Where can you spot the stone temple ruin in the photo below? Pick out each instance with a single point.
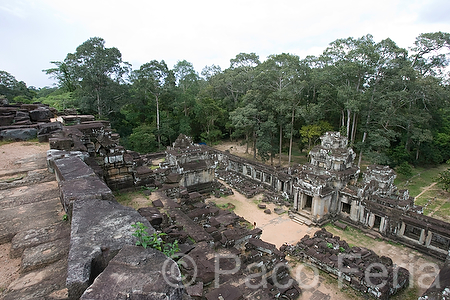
(89, 163)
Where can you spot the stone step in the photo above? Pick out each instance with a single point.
(299, 219)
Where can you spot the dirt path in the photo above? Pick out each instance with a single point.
(426, 189)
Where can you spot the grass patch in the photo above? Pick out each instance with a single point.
(228, 206)
(353, 236)
(407, 294)
(125, 198)
(421, 177)
(14, 178)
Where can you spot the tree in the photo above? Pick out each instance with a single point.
(92, 72)
(153, 79)
(11, 88)
(444, 179)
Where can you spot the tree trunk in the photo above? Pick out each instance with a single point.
(290, 139)
(99, 108)
(360, 152)
(157, 122)
(348, 123)
(247, 142)
(254, 145)
(281, 143)
(353, 129)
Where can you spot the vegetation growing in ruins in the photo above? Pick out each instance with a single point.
(153, 240)
(391, 103)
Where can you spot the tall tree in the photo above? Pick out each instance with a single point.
(154, 79)
(93, 71)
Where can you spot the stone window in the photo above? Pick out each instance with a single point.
(345, 208)
(439, 241)
(249, 171)
(267, 178)
(258, 175)
(412, 232)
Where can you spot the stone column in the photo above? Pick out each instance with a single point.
(422, 236)
(371, 220)
(428, 239)
(296, 200)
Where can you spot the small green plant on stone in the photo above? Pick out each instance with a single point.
(153, 240)
(341, 249)
(330, 245)
(65, 217)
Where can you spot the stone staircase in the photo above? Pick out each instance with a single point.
(297, 218)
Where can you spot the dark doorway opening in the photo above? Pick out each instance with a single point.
(377, 223)
(308, 203)
(346, 208)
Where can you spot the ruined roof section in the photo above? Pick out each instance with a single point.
(183, 141)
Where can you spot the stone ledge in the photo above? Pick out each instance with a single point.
(100, 228)
(138, 273)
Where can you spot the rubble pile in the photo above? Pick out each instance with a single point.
(357, 267)
(213, 243)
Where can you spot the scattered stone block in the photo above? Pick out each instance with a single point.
(22, 134)
(262, 206)
(225, 292)
(157, 203)
(340, 225)
(195, 290)
(279, 211)
(152, 214)
(268, 211)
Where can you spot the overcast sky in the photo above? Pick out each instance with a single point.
(204, 32)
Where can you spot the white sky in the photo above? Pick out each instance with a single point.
(203, 32)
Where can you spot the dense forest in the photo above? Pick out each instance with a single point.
(391, 103)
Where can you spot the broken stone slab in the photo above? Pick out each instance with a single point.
(47, 128)
(41, 114)
(262, 206)
(100, 228)
(44, 254)
(22, 134)
(138, 273)
(80, 188)
(195, 290)
(268, 211)
(36, 236)
(279, 211)
(152, 214)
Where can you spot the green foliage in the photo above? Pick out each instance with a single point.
(444, 179)
(58, 100)
(154, 240)
(330, 245)
(405, 169)
(65, 217)
(143, 139)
